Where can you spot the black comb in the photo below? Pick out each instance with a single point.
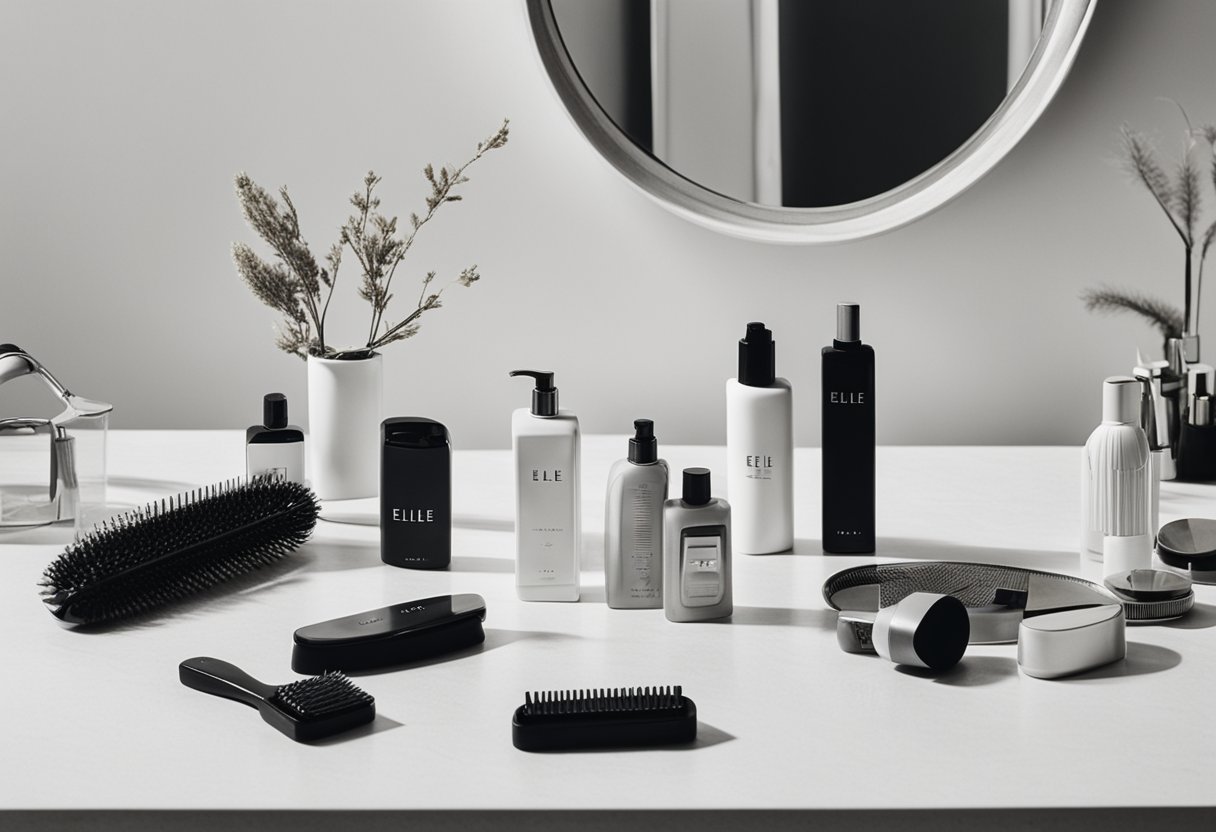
(604, 718)
(309, 709)
(177, 547)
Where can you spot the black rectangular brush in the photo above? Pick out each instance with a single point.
(603, 718)
(310, 709)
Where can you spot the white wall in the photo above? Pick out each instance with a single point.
(123, 122)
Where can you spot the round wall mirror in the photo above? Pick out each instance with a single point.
(806, 120)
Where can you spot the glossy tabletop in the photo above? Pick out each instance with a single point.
(98, 719)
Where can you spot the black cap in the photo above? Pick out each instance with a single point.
(643, 447)
(274, 410)
(941, 635)
(414, 432)
(757, 356)
(696, 486)
(544, 395)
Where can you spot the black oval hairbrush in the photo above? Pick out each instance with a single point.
(177, 547)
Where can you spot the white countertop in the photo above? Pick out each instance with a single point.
(98, 720)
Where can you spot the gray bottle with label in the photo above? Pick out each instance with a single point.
(633, 524)
(696, 553)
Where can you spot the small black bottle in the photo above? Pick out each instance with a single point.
(415, 493)
(274, 448)
(1197, 441)
(848, 438)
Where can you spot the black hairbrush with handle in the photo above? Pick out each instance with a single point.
(310, 709)
(177, 547)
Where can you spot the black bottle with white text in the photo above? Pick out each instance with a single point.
(848, 438)
(415, 493)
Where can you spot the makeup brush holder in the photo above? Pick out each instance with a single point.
(1197, 453)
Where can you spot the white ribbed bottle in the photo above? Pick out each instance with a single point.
(1117, 483)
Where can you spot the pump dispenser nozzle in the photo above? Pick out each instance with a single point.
(544, 395)
(643, 447)
(757, 356)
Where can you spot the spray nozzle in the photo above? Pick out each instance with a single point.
(544, 395)
(643, 447)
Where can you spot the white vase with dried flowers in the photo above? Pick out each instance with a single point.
(345, 385)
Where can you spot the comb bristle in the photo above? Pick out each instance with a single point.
(323, 695)
(603, 700)
(177, 547)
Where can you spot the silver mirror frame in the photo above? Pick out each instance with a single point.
(1048, 65)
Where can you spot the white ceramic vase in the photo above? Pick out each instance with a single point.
(344, 405)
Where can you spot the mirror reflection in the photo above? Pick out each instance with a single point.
(800, 103)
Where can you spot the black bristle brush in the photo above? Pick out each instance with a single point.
(310, 709)
(571, 720)
(177, 547)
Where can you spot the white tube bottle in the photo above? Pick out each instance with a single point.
(633, 524)
(760, 448)
(1117, 482)
(546, 446)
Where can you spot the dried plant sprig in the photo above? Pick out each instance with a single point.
(293, 285)
(1141, 159)
(1180, 199)
(442, 185)
(1208, 131)
(426, 302)
(301, 291)
(1165, 317)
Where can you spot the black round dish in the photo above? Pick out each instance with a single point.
(1190, 545)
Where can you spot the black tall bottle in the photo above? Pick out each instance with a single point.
(848, 438)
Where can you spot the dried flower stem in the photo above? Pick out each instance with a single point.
(293, 284)
(1180, 199)
(441, 192)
